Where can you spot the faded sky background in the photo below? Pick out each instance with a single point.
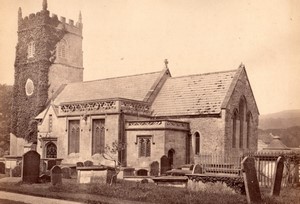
(122, 37)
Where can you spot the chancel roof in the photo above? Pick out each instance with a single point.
(135, 87)
(194, 94)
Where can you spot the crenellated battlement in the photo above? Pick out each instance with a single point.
(42, 17)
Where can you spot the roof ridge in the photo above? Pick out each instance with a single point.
(116, 77)
(208, 73)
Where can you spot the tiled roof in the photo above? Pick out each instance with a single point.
(193, 95)
(133, 87)
(276, 144)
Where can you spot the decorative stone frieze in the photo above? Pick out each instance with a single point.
(157, 124)
(79, 108)
(135, 107)
(108, 106)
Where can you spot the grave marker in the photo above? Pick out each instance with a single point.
(276, 183)
(66, 172)
(154, 168)
(51, 163)
(79, 164)
(56, 175)
(197, 169)
(250, 180)
(142, 172)
(88, 163)
(164, 165)
(128, 171)
(31, 167)
(2, 168)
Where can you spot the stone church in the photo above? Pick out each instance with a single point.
(149, 114)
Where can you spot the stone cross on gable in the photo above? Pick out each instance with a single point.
(166, 63)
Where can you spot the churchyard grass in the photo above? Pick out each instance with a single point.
(148, 192)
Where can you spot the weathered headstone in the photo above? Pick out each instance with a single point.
(88, 163)
(43, 166)
(51, 163)
(79, 164)
(276, 183)
(2, 168)
(56, 175)
(250, 180)
(164, 165)
(129, 171)
(31, 167)
(16, 171)
(197, 169)
(66, 172)
(44, 178)
(154, 168)
(142, 172)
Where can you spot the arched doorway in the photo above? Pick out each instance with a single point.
(51, 150)
(171, 153)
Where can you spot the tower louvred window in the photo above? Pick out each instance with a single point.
(31, 49)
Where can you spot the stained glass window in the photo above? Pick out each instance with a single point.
(51, 150)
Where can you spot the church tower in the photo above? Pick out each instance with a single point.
(48, 55)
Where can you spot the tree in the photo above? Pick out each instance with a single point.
(111, 154)
(5, 117)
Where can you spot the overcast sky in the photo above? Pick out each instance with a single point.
(123, 37)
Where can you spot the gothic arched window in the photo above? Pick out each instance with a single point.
(144, 143)
(242, 111)
(51, 150)
(249, 128)
(234, 126)
(197, 143)
(62, 49)
(31, 49)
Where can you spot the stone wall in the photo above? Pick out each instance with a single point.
(60, 130)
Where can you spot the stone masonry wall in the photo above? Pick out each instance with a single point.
(60, 126)
(242, 89)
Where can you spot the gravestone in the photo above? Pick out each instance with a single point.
(43, 166)
(44, 178)
(142, 172)
(79, 164)
(51, 163)
(31, 167)
(250, 180)
(66, 172)
(197, 169)
(56, 175)
(16, 172)
(154, 168)
(129, 171)
(88, 163)
(2, 168)
(276, 183)
(164, 165)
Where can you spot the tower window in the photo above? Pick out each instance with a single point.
(62, 49)
(31, 49)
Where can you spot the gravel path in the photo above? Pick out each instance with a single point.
(32, 199)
